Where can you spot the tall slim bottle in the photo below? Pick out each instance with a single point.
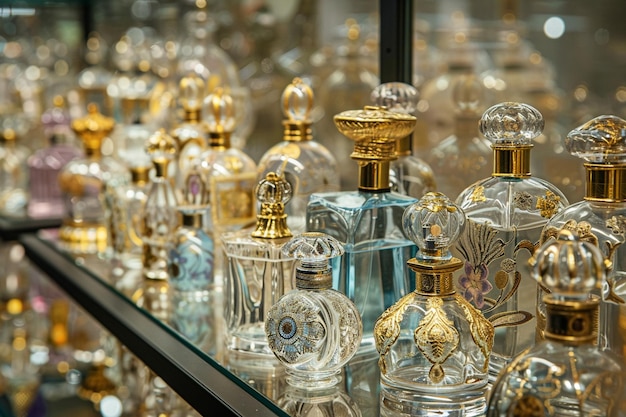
(506, 213)
(368, 221)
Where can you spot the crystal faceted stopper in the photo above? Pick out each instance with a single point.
(219, 112)
(569, 267)
(511, 124)
(434, 224)
(600, 140)
(396, 97)
(191, 90)
(297, 101)
(313, 251)
(273, 189)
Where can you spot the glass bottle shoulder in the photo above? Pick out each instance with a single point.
(226, 162)
(355, 201)
(241, 244)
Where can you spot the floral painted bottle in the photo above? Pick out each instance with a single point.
(567, 374)
(308, 166)
(434, 345)
(601, 217)
(159, 213)
(506, 214)
(256, 272)
(368, 222)
(313, 330)
(409, 175)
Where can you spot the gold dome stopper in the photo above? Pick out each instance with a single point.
(191, 92)
(93, 128)
(297, 102)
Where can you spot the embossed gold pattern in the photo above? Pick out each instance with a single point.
(387, 329)
(478, 194)
(549, 205)
(482, 329)
(273, 192)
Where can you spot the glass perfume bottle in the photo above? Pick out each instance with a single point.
(601, 217)
(13, 174)
(257, 273)
(94, 79)
(465, 156)
(506, 214)
(313, 330)
(306, 164)
(434, 345)
(299, 402)
(368, 222)
(567, 374)
(45, 197)
(409, 174)
(190, 135)
(86, 184)
(159, 214)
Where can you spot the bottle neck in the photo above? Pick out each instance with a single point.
(192, 116)
(434, 278)
(297, 131)
(374, 176)
(511, 161)
(92, 151)
(160, 167)
(140, 175)
(219, 141)
(314, 275)
(192, 219)
(571, 322)
(605, 182)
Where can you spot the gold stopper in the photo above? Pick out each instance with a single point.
(191, 91)
(162, 148)
(297, 102)
(92, 129)
(219, 118)
(273, 192)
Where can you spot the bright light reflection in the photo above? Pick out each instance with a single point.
(554, 27)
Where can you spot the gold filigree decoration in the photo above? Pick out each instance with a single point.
(607, 386)
(523, 200)
(436, 202)
(387, 329)
(436, 338)
(481, 329)
(617, 224)
(545, 385)
(527, 406)
(549, 205)
(478, 194)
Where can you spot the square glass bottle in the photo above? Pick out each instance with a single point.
(368, 222)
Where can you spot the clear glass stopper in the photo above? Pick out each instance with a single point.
(600, 140)
(434, 223)
(397, 97)
(161, 146)
(511, 123)
(569, 267)
(219, 112)
(273, 189)
(297, 101)
(191, 92)
(313, 246)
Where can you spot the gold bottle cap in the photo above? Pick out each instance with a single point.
(161, 148)
(272, 192)
(297, 100)
(400, 98)
(93, 128)
(191, 92)
(219, 117)
(140, 175)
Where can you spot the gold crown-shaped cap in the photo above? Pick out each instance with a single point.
(93, 127)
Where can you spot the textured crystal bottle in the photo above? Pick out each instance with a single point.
(506, 214)
(306, 164)
(368, 222)
(313, 330)
(434, 345)
(601, 217)
(567, 374)
(409, 174)
(257, 273)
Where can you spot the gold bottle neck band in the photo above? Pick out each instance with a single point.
(571, 322)
(219, 141)
(160, 167)
(297, 131)
(434, 278)
(605, 182)
(374, 176)
(403, 146)
(192, 116)
(140, 175)
(511, 161)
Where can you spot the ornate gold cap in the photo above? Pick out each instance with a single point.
(93, 128)
(140, 175)
(219, 117)
(297, 100)
(191, 92)
(161, 148)
(273, 192)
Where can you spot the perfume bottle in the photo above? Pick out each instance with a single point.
(159, 214)
(87, 185)
(299, 402)
(601, 217)
(464, 157)
(190, 135)
(257, 273)
(13, 174)
(306, 164)
(567, 374)
(368, 222)
(313, 330)
(45, 197)
(506, 213)
(434, 345)
(409, 174)
(94, 79)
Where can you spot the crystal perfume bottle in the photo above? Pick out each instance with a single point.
(409, 174)
(506, 214)
(567, 374)
(601, 217)
(434, 345)
(313, 330)
(257, 273)
(368, 222)
(306, 164)
(159, 214)
(13, 174)
(464, 157)
(87, 184)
